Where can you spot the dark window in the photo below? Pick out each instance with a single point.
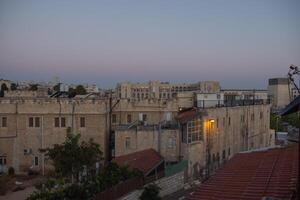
(217, 122)
(62, 122)
(82, 122)
(252, 116)
(229, 121)
(4, 122)
(30, 123)
(228, 151)
(144, 117)
(129, 118)
(36, 160)
(114, 118)
(127, 142)
(56, 121)
(37, 122)
(223, 154)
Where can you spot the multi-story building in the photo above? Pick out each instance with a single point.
(204, 136)
(124, 125)
(162, 90)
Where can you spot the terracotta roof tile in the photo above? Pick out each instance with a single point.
(143, 161)
(253, 175)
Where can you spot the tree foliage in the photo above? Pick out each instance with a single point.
(33, 87)
(72, 157)
(151, 192)
(70, 160)
(80, 90)
(13, 86)
(277, 121)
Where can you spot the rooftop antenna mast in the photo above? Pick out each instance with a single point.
(294, 70)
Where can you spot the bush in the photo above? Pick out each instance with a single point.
(11, 171)
(150, 192)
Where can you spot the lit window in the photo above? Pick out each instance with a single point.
(194, 131)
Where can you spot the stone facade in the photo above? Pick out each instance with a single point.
(30, 125)
(162, 90)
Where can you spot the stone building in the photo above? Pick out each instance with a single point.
(28, 125)
(189, 134)
(162, 90)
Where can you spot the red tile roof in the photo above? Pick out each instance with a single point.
(143, 161)
(253, 175)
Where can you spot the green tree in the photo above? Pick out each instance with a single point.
(71, 93)
(33, 87)
(151, 192)
(13, 86)
(56, 87)
(80, 90)
(71, 158)
(4, 87)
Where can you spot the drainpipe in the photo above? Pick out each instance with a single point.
(43, 156)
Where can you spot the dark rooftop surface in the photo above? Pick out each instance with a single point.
(254, 175)
(143, 161)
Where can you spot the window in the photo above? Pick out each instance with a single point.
(252, 116)
(2, 160)
(56, 121)
(229, 151)
(114, 118)
(223, 155)
(217, 122)
(170, 142)
(129, 118)
(144, 117)
(194, 131)
(62, 122)
(4, 122)
(36, 160)
(127, 142)
(82, 122)
(223, 121)
(37, 122)
(261, 115)
(229, 121)
(30, 122)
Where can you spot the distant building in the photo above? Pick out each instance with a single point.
(279, 91)
(162, 90)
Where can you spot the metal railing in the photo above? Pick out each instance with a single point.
(231, 103)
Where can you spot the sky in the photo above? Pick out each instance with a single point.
(240, 43)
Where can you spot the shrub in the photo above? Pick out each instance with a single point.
(11, 171)
(150, 192)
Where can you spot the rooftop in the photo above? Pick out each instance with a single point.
(143, 161)
(254, 175)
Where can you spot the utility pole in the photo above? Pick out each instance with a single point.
(111, 142)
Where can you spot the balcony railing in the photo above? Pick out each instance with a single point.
(230, 103)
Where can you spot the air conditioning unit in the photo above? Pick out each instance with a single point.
(27, 151)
